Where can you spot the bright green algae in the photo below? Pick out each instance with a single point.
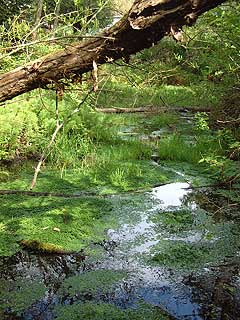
(69, 224)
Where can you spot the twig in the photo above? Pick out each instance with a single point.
(229, 121)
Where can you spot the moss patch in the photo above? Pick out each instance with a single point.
(181, 254)
(174, 221)
(100, 311)
(19, 295)
(185, 252)
(91, 282)
(66, 224)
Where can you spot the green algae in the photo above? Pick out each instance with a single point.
(69, 224)
(100, 311)
(174, 221)
(91, 282)
(180, 254)
(19, 295)
(191, 240)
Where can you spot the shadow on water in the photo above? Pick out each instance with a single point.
(166, 254)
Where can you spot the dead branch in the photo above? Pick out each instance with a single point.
(46, 194)
(152, 109)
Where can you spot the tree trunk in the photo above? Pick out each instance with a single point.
(147, 22)
(56, 12)
(37, 18)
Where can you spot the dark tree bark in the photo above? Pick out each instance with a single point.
(147, 22)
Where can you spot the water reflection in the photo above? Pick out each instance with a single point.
(171, 194)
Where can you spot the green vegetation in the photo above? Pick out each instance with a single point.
(191, 239)
(175, 221)
(106, 311)
(91, 282)
(99, 165)
(19, 295)
(51, 224)
(182, 255)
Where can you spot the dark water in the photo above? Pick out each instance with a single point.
(209, 291)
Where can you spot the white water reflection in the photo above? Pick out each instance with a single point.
(141, 235)
(171, 194)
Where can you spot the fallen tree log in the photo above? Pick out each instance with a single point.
(153, 109)
(129, 110)
(147, 22)
(48, 194)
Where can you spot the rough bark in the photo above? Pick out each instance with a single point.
(147, 22)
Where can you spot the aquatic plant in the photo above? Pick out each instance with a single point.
(100, 311)
(19, 295)
(91, 282)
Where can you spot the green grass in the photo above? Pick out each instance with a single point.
(187, 149)
(128, 96)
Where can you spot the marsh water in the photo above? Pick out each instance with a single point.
(186, 287)
(168, 253)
